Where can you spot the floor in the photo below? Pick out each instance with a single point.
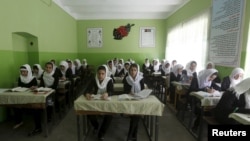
(65, 129)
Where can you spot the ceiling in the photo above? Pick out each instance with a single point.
(117, 9)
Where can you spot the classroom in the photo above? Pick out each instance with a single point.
(37, 31)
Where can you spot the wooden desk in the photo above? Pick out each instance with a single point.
(28, 99)
(118, 87)
(180, 90)
(208, 102)
(118, 79)
(150, 106)
(241, 118)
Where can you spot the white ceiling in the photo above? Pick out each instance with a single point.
(117, 9)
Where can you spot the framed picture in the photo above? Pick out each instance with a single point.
(147, 36)
(94, 37)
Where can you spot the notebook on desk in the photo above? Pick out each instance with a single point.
(141, 95)
(19, 89)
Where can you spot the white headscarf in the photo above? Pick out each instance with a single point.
(166, 70)
(235, 72)
(203, 78)
(212, 64)
(29, 77)
(66, 66)
(176, 68)
(84, 63)
(126, 71)
(119, 68)
(189, 71)
(78, 64)
(156, 66)
(40, 71)
(113, 69)
(135, 83)
(147, 63)
(102, 87)
(48, 78)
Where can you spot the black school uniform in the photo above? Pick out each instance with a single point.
(225, 84)
(229, 103)
(134, 120)
(93, 89)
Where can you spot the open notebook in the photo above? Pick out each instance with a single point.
(42, 89)
(141, 95)
(19, 89)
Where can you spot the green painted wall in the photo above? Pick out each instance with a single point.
(126, 48)
(194, 7)
(53, 32)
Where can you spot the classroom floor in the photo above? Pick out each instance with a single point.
(65, 130)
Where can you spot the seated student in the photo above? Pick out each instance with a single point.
(71, 66)
(233, 79)
(121, 61)
(101, 84)
(37, 71)
(210, 65)
(56, 69)
(161, 63)
(235, 99)
(66, 71)
(173, 63)
(146, 67)
(84, 70)
(190, 71)
(204, 82)
(119, 72)
(49, 79)
(155, 66)
(115, 61)
(165, 69)
(111, 68)
(24, 80)
(78, 67)
(133, 83)
(126, 68)
(175, 75)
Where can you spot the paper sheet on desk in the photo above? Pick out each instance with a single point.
(19, 89)
(98, 97)
(214, 94)
(141, 95)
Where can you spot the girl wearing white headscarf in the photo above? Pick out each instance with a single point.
(37, 71)
(233, 79)
(156, 65)
(66, 71)
(102, 84)
(133, 84)
(235, 99)
(111, 67)
(84, 63)
(78, 67)
(50, 78)
(165, 69)
(28, 81)
(190, 70)
(175, 75)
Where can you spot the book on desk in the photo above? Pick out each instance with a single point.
(19, 89)
(98, 97)
(141, 95)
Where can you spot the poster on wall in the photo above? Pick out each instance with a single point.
(147, 37)
(94, 37)
(226, 32)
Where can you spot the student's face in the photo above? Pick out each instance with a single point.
(155, 62)
(24, 72)
(238, 76)
(62, 67)
(110, 65)
(133, 72)
(174, 63)
(35, 70)
(180, 70)
(212, 77)
(75, 63)
(127, 67)
(209, 66)
(70, 65)
(192, 66)
(101, 74)
(48, 68)
(167, 65)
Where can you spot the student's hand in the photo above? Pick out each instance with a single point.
(210, 90)
(104, 96)
(88, 96)
(33, 87)
(63, 78)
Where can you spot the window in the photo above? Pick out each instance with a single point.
(188, 41)
(247, 65)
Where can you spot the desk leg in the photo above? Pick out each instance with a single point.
(45, 122)
(156, 127)
(151, 126)
(200, 131)
(78, 128)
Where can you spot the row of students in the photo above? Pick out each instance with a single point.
(103, 84)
